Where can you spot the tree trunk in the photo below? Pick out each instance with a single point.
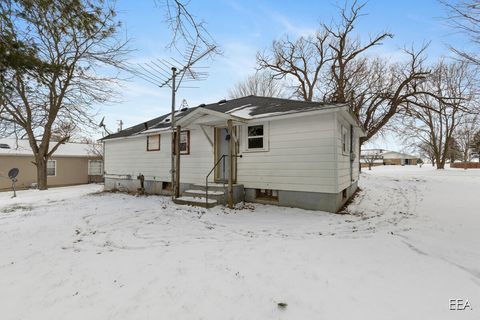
(41, 164)
(441, 163)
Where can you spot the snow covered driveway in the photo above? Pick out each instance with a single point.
(410, 244)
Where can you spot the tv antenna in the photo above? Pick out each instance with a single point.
(184, 105)
(104, 127)
(173, 73)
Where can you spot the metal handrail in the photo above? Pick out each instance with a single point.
(222, 158)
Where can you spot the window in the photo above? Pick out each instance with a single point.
(344, 140)
(184, 142)
(153, 143)
(51, 168)
(256, 137)
(266, 194)
(95, 167)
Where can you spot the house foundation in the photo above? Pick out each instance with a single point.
(330, 202)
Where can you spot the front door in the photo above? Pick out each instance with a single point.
(222, 171)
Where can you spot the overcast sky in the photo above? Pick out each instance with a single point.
(242, 28)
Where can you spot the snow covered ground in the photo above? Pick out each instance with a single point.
(410, 244)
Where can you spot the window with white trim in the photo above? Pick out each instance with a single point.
(51, 168)
(153, 142)
(256, 137)
(95, 167)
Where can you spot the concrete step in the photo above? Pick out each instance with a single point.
(212, 194)
(196, 201)
(211, 186)
(202, 192)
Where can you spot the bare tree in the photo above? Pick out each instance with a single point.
(68, 42)
(94, 148)
(432, 119)
(378, 90)
(333, 66)
(301, 61)
(347, 49)
(464, 15)
(261, 83)
(465, 135)
(370, 156)
(454, 151)
(64, 131)
(321, 66)
(185, 27)
(476, 144)
(426, 151)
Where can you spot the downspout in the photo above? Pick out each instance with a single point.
(335, 153)
(351, 154)
(177, 162)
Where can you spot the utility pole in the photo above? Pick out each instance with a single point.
(174, 74)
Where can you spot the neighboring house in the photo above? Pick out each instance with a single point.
(398, 158)
(286, 152)
(72, 163)
(378, 157)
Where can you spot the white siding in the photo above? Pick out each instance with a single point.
(130, 157)
(195, 166)
(303, 154)
(343, 158)
(300, 156)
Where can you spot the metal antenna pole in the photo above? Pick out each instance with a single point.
(152, 73)
(174, 74)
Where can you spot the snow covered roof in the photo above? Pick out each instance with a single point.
(370, 152)
(398, 155)
(250, 107)
(21, 147)
(386, 154)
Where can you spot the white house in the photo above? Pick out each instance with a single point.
(285, 152)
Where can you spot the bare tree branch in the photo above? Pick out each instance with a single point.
(62, 46)
(261, 84)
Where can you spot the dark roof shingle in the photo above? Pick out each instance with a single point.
(263, 106)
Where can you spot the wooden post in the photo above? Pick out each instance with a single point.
(177, 162)
(231, 162)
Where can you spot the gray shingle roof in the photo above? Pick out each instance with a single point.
(257, 106)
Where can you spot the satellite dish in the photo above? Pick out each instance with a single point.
(13, 173)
